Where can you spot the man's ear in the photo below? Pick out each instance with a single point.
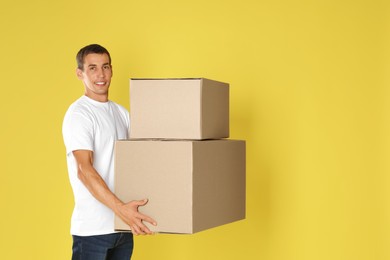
(79, 73)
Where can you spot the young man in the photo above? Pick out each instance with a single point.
(90, 128)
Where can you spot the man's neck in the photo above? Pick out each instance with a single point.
(99, 98)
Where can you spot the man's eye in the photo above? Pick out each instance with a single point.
(92, 68)
(106, 67)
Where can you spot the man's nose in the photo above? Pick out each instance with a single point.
(101, 73)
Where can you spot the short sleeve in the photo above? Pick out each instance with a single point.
(78, 132)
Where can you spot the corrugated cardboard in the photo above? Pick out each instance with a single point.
(191, 185)
(179, 109)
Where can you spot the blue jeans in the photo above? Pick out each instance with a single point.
(116, 246)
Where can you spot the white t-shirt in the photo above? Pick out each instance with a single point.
(95, 126)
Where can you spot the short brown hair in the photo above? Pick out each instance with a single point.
(92, 48)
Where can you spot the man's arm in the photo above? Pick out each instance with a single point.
(128, 212)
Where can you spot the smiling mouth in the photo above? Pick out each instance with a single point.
(101, 83)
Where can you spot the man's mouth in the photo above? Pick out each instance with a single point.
(100, 83)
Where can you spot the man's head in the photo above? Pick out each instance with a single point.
(92, 48)
(95, 71)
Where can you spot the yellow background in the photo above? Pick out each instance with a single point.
(309, 92)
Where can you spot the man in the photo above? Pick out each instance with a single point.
(90, 128)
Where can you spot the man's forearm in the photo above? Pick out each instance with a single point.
(92, 180)
(98, 187)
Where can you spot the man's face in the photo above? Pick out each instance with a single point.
(96, 75)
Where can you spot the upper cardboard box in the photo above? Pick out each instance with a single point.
(192, 108)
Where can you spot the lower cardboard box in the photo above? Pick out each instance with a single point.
(191, 185)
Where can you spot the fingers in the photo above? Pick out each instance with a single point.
(140, 229)
(136, 218)
(144, 217)
(148, 219)
(136, 230)
(141, 202)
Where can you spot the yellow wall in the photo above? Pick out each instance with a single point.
(309, 92)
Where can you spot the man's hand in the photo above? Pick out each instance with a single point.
(129, 213)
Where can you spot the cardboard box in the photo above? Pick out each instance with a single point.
(179, 109)
(191, 185)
